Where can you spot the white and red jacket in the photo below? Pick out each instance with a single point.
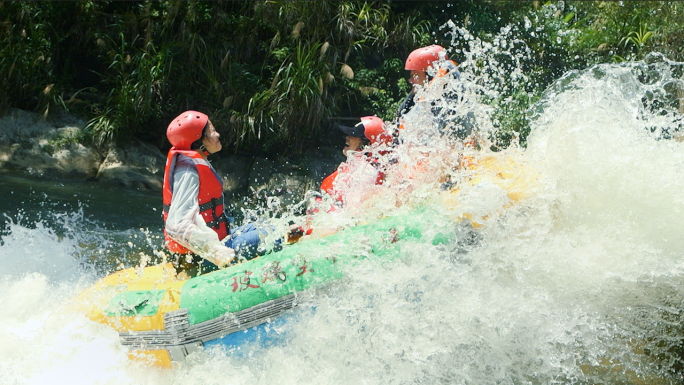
(194, 217)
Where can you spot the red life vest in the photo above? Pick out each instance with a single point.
(210, 197)
(328, 182)
(327, 185)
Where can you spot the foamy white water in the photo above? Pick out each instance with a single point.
(579, 283)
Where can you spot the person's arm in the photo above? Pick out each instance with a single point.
(406, 105)
(186, 226)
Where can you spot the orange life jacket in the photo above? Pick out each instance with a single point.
(328, 182)
(210, 197)
(327, 185)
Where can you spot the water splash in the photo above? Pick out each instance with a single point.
(580, 282)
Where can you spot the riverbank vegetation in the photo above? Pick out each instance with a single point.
(276, 75)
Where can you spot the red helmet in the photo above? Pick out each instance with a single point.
(374, 130)
(422, 58)
(186, 129)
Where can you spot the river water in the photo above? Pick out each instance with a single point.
(579, 283)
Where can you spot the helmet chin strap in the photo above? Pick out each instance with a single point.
(204, 150)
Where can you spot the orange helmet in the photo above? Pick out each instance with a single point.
(422, 58)
(371, 128)
(374, 130)
(186, 129)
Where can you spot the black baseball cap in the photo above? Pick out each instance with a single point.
(358, 131)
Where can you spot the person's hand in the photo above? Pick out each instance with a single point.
(295, 232)
(227, 256)
(221, 256)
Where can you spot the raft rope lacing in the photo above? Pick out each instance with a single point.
(180, 338)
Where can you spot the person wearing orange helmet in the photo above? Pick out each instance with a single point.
(196, 227)
(420, 62)
(365, 143)
(428, 65)
(367, 133)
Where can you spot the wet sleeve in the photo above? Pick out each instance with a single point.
(406, 105)
(184, 223)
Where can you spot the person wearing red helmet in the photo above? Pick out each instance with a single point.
(419, 62)
(365, 143)
(421, 59)
(369, 132)
(428, 65)
(196, 226)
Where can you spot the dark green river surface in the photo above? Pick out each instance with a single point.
(97, 215)
(33, 199)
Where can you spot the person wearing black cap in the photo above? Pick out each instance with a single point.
(369, 131)
(356, 137)
(361, 170)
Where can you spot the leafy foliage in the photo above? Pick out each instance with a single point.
(273, 74)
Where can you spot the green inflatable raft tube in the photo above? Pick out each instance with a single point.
(162, 319)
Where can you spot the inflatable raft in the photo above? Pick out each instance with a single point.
(161, 318)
